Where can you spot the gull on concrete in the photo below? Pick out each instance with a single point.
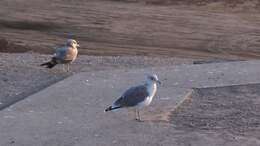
(64, 55)
(137, 97)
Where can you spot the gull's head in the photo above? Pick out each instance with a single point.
(153, 79)
(72, 43)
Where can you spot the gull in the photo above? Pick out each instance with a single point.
(137, 97)
(64, 55)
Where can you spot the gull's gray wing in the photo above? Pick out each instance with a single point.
(61, 53)
(66, 54)
(132, 96)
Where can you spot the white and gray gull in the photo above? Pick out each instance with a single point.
(64, 55)
(138, 96)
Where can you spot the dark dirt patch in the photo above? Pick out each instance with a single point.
(8, 47)
(28, 25)
(214, 60)
(234, 109)
(228, 3)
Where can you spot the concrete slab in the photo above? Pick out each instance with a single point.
(71, 111)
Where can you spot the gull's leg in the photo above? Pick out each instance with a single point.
(138, 115)
(68, 67)
(63, 67)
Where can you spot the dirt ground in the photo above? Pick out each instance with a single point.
(233, 110)
(197, 29)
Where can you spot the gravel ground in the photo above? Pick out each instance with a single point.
(21, 75)
(232, 109)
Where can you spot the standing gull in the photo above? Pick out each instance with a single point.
(138, 96)
(64, 55)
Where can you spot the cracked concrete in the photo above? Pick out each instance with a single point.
(71, 111)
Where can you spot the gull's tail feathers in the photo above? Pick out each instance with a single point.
(110, 108)
(51, 63)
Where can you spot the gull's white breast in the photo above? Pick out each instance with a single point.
(152, 88)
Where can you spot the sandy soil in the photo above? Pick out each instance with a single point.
(122, 28)
(21, 75)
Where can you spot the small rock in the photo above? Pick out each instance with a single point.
(9, 117)
(12, 142)
(60, 122)
(114, 141)
(165, 98)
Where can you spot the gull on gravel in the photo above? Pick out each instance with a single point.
(64, 55)
(137, 97)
